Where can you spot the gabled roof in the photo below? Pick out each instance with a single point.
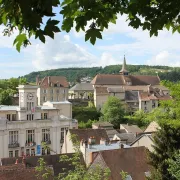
(118, 79)
(32, 161)
(144, 80)
(82, 87)
(129, 137)
(85, 134)
(132, 128)
(61, 80)
(152, 127)
(149, 135)
(108, 79)
(130, 160)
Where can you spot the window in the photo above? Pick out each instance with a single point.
(57, 98)
(43, 151)
(30, 117)
(16, 153)
(30, 106)
(44, 91)
(13, 137)
(48, 151)
(44, 99)
(52, 98)
(8, 117)
(30, 136)
(62, 134)
(13, 117)
(145, 102)
(27, 152)
(10, 153)
(45, 135)
(52, 91)
(63, 130)
(33, 152)
(44, 115)
(57, 91)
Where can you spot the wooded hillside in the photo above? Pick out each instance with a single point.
(72, 74)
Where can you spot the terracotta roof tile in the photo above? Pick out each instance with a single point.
(131, 160)
(144, 80)
(108, 79)
(118, 79)
(87, 133)
(46, 81)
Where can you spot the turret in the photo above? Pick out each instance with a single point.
(123, 71)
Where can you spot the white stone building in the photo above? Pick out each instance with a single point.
(23, 128)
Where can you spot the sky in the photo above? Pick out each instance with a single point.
(71, 50)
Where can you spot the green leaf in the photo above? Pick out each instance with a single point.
(20, 39)
(92, 34)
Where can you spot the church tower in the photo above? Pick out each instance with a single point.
(123, 71)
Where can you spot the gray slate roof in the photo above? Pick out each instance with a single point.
(82, 87)
(132, 128)
(102, 124)
(131, 96)
(129, 137)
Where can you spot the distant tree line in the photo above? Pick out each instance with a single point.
(72, 74)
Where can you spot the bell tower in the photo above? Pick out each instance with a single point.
(123, 71)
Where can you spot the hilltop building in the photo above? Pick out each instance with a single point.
(137, 91)
(52, 88)
(23, 128)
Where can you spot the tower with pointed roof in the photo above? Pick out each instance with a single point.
(123, 71)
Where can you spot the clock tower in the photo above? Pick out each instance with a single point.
(27, 96)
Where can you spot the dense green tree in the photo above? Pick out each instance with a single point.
(38, 18)
(166, 140)
(5, 98)
(166, 143)
(174, 166)
(113, 111)
(168, 73)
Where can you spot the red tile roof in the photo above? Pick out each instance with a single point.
(131, 160)
(118, 79)
(46, 81)
(85, 134)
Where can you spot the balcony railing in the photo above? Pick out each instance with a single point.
(13, 145)
(30, 144)
(47, 142)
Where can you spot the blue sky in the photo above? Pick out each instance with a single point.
(70, 50)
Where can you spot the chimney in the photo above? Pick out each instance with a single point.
(16, 161)
(92, 140)
(122, 146)
(49, 80)
(37, 80)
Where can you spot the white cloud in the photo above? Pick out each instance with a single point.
(67, 37)
(107, 59)
(59, 53)
(164, 58)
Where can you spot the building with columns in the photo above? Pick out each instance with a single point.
(23, 128)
